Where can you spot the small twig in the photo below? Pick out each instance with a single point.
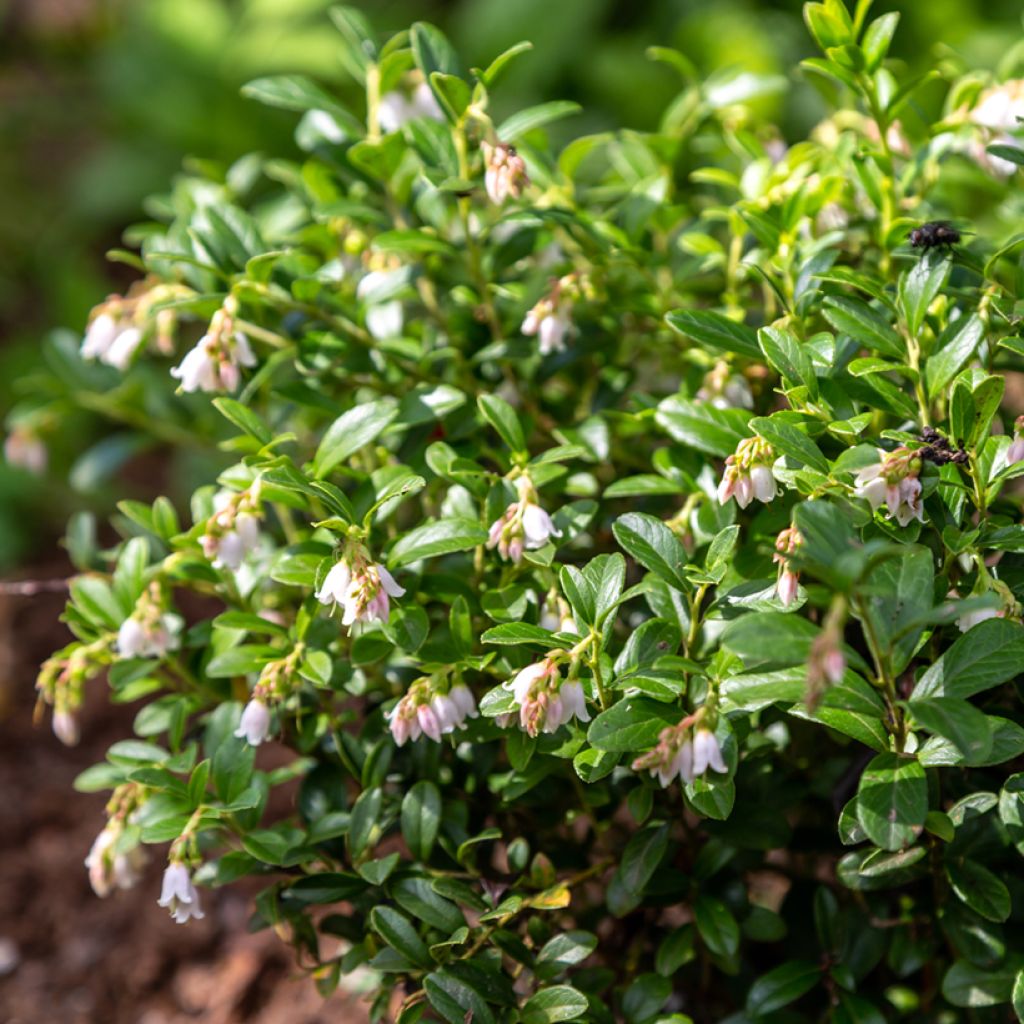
(30, 588)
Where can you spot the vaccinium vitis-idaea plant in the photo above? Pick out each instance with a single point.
(624, 540)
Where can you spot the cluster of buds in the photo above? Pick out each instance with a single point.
(546, 701)
(111, 863)
(998, 111)
(724, 389)
(788, 580)
(1015, 453)
(431, 708)
(826, 662)
(117, 326)
(550, 319)
(275, 683)
(893, 482)
(684, 751)
(215, 363)
(233, 531)
(556, 615)
(24, 448)
(386, 319)
(61, 680)
(525, 526)
(150, 631)
(505, 172)
(361, 587)
(748, 473)
(398, 107)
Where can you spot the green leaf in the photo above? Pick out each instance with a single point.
(979, 888)
(363, 824)
(782, 986)
(960, 722)
(943, 365)
(437, 538)
(654, 546)
(892, 801)
(351, 431)
(633, 724)
(300, 93)
(702, 426)
(564, 950)
(516, 633)
(1014, 154)
(919, 286)
(877, 38)
(527, 120)
(421, 818)
(244, 418)
(716, 925)
(715, 331)
(864, 324)
(987, 655)
(791, 441)
(416, 896)
(969, 986)
(400, 934)
(455, 1000)
(557, 1003)
(504, 419)
(784, 352)
(900, 597)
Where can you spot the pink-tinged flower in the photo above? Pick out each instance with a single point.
(748, 473)
(684, 751)
(788, 583)
(724, 389)
(110, 869)
(971, 619)
(65, 727)
(546, 703)
(178, 894)
(525, 526)
(826, 662)
(254, 725)
(112, 337)
(362, 588)
(894, 482)
(123, 348)
(233, 531)
(550, 324)
(428, 710)
(26, 450)
(147, 634)
(214, 364)
(707, 753)
(505, 174)
(1015, 453)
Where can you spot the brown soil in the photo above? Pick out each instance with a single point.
(67, 957)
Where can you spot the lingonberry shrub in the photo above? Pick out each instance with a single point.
(623, 542)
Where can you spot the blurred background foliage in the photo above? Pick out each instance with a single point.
(100, 100)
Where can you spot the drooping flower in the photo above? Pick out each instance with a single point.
(109, 868)
(396, 108)
(430, 708)
(1015, 453)
(65, 727)
(684, 751)
(214, 364)
(25, 449)
(550, 318)
(724, 389)
(893, 481)
(254, 725)
(233, 531)
(826, 660)
(149, 632)
(178, 894)
(546, 702)
(788, 582)
(987, 586)
(998, 112)
(556, 615)
(362, 588)
(748, 473)
(524, 526)
(505, 172)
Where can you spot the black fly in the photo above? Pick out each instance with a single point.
(936, 234)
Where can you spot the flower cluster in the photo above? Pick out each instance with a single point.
(117, 327)
(233, 531)
(546, 701)
(893, 482)
(725, 389)
(788, 582)
(276, 681)
(149, 632)
(61, 680)
(550, 318)
(685, 751)
(397, 108)
(748, 473)
(432, 709)
(556, 615)
(114, 860)
(361, 587)
(524, 526)
(504, 172)
(215, 363)
(999, 112)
